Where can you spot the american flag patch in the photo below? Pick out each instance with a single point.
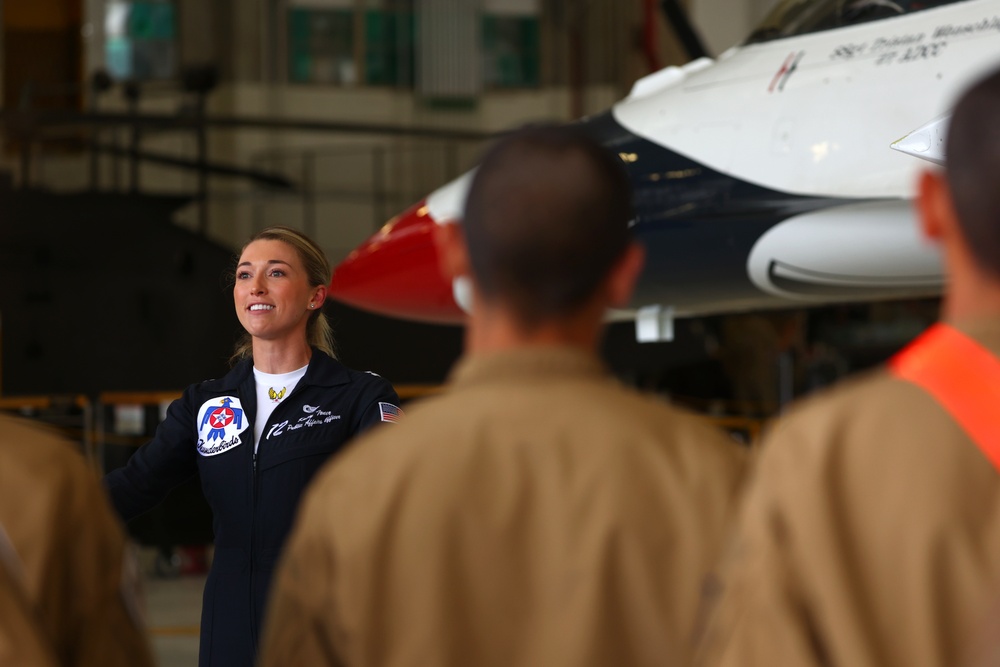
(390, 413)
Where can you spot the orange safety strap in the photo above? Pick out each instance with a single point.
(962, 376)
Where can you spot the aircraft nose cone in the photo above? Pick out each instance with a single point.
(395, 272)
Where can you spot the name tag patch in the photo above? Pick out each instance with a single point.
(314, 416)
(220, 423)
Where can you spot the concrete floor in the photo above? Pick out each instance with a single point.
(173, 612)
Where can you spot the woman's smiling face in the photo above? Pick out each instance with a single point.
(272, 293)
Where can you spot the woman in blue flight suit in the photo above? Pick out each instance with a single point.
(258, 435)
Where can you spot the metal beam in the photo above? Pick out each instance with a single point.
(678, 20)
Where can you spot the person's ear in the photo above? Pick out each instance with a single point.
(624, 275)
(318, 298)
(453, 256)
(934, 206)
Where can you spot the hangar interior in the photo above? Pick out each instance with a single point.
(449, 65)
(334, 115)
(400, 96)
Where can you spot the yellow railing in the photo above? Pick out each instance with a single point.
(85, 434)
(95, 433)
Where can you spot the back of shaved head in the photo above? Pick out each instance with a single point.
(972, 164)
(546, 218)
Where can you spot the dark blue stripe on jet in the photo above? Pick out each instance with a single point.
(698, 225)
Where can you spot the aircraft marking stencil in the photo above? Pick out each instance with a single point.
(787, 69)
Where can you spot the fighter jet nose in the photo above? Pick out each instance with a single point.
(395, 272)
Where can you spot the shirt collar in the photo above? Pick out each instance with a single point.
(325, 371)
(984, 330)
(322, 371)
(522, 364)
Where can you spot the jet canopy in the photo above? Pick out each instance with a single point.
(800, 17)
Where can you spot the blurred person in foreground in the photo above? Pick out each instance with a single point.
(21, 640)
(871, 531)
(538, 513)
(68, 589)
(257, 435)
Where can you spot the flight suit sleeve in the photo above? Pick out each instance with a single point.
(301, 626)
(377, 403)
(106, 628)
(756, 610)
(159, 465)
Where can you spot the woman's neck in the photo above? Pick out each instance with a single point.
(280, 357)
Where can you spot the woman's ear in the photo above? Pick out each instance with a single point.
(319, 298)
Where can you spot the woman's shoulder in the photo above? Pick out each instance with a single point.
(368, 379)
(332, 368)
(369, 386)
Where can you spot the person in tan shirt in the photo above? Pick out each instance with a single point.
(21, 640)
(870, 534)
(537, 513)
(67, 584)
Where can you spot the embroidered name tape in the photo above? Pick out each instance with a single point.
(315, 416)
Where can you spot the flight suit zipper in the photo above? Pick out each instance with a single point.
(253, 532)
(254, 493)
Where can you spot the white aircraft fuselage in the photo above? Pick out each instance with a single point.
(764, 179)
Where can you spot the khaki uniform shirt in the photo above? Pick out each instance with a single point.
(21, 640)
(536, 514)
(69, 549)
(870, 535)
